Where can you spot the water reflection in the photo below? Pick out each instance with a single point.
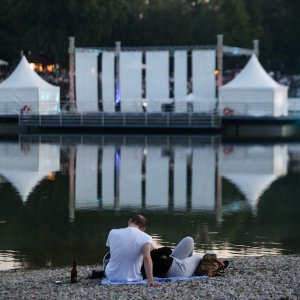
(24, 164)
(253, 168)
(60, 195)
(148, 176)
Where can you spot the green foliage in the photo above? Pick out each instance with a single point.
(44, 26)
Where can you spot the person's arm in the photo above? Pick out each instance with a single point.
(148, 264)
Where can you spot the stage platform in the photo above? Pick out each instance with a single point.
(124, 121)
(227, 126)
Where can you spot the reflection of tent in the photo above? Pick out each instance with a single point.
(252, 168)
(23, 88)
(25, 165)
(24, 182)
(253, 92)
(252, 186)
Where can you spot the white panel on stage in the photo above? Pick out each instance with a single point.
(203, 178)
(180, 81)
(157, 79)
(204, 82)
(108, 176)
(131, 177)
(157, 178)
(108, 81)
(131, 81)
(86, 67)
(180, 178)
(86, 178)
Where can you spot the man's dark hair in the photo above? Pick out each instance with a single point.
(139, 220)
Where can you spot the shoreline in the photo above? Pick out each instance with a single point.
(266, 277)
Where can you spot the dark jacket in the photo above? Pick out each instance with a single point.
(161, 265)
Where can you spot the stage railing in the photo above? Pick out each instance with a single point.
(253, 109)
(122, 120)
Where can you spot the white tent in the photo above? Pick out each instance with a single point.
(253, 92)
(25, 88)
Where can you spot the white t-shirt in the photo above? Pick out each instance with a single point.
(126, 254)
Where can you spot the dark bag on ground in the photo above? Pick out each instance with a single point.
(210, 266)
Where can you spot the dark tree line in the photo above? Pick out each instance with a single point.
(44, 26)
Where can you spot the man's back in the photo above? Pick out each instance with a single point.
(126, 249)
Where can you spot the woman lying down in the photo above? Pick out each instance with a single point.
(182, 263)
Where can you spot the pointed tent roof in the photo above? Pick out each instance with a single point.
(252, 186)
(24, 182)
(24, 77)
(253, 76)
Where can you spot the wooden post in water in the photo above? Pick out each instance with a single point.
(72, 73)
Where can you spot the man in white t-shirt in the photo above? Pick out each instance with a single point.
(129, 248)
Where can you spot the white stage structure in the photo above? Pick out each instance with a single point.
(157, 178)
(254, 93)
(24, 88)
(180, 80)
(86, 178)
(25, 165)
(203, 78)
(108, 81)
(108, 176)
(131, 176)
(253, 168)
(157, 80)
(204, 178)
(127, 67)
(86, 81)
(131, 81)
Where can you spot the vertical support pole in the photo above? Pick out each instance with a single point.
(72, 184)
(256, 47)
(220, 59)
(218, 190)
(117, 178)
(117, 86)
(72, 73)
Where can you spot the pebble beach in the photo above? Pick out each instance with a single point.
(263, 277)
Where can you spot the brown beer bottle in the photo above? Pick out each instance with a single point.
(74, 272)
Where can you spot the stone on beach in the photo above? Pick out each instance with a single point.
(264, 277)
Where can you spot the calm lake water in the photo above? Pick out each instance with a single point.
(60, 195)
